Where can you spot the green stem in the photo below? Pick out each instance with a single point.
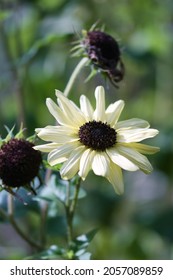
(75, 199)
(10, 217)
(68, 215)
(74, 75)
(70, 210)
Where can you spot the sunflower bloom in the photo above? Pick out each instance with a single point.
(86, 139)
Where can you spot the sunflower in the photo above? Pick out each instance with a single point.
(86, 139)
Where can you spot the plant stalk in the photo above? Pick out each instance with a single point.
(70, 208)
(74, 75)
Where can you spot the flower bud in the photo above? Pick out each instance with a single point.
(104, 52)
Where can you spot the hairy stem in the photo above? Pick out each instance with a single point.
(70, 208)
(75, 199)
(68, 215)
(74, 75)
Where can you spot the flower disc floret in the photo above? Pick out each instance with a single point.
(86, 139)
(97, 135)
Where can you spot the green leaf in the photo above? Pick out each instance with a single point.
(91, 75)
(20, 134)
(60, 193)
(53, 168)
(10, 133)
(59, 188)
(47, 192)
(85, 256)
(84, 239)
(81, 244)
(40, 198)
(53, 252)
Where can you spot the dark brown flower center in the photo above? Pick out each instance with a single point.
(97, 135)
(102, 49)
(19, 162)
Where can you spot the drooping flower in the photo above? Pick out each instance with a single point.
(86, 139)
(19, 162)
(103, 52)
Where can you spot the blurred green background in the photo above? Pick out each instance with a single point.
(35, 41)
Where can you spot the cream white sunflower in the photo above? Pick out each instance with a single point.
(86, 139)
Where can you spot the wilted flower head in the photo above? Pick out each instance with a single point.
(19, 162)
(104, 54)
(88, 139)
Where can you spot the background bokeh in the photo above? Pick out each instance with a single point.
(35, 41)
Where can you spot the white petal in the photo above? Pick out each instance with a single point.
(113, 112)
(70, 110)
(120, 160)
(71, 166)
(135, 135)
(135, 157)
(57, 113)
(143, 148)
(37, 130)
(99, 113)
(135, 123)
(61, 153)
(86, 107)
(86, 163)
(58, 134)
(114, 176)
(46, 147)
(104, 167)
(100, 163)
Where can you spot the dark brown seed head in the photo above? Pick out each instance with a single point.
(102, 49)
(104, 52)
(19, 162)
(97, 135)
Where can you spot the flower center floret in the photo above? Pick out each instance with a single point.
(97, 135)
